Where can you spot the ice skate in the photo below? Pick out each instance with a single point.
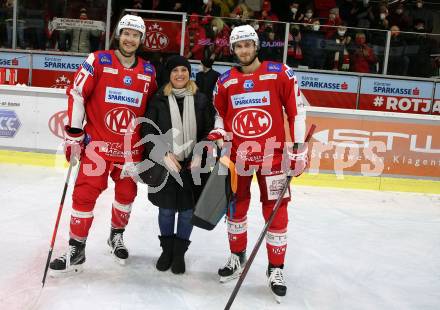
(233, 267)
(70, 262)
(117, 247)
(276, 282)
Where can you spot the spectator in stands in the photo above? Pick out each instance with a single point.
(137, 5)
(333, 21)
(172, 5)
(348, 10)
(240, 14)
(271, 48)
(296, 16)
(220, 49)
(362, 56)
(364, 15)
(210, 8)
(420, 12)
(308, 16)
(382, 20)
(197, 39)
(312, 46)
(267, 13)
(157, 61)
(399, 17)
(398, 61)
(206, 78)
(80, 38)
(294, 50)
(322, 7)
(20, 26)
(338, 56)
(226, 6)
(421, 64)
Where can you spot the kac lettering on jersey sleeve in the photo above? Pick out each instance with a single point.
(224, 76)
(274, 67)
(105, 58)
(290, 73)
(88, 67)
(123, 96)
(253, 99)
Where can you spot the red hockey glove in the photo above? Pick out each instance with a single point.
(218, 135)
(73, 143)
(298, 159)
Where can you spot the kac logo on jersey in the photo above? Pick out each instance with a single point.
(248, 85)
(251, 123)
(120, 121)
(254, 99)
(127, 80)
(105, 59)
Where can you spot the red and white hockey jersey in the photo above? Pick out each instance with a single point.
(108, 97)
(250, 107)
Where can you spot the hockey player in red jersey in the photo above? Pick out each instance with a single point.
(251, 101)
(110, 90)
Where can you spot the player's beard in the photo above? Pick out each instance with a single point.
(250, 62)
(125, 54)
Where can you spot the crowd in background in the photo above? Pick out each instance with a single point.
(323, 34)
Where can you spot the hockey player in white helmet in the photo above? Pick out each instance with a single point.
(251, 100)
(111, 88)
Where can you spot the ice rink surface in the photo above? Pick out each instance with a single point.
(348, 249)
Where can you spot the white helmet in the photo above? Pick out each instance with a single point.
(241, 33)
(131, 22)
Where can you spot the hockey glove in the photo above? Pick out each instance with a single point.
(73, 143)
(218, 135)
(298, 159)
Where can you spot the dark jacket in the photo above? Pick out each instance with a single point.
(206, 82)
(173, 195)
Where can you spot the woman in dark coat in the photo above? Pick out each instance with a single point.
(180, 108)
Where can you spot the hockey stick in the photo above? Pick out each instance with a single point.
(263, 232)
(60, 210)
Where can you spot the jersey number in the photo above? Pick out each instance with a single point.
(79, 78)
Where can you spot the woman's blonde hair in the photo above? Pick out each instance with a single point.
(190, 86)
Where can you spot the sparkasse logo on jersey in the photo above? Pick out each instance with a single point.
(254, 99)
(123, 96)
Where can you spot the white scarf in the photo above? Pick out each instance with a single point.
(184, 128)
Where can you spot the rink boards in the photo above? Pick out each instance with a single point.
(350, 148)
